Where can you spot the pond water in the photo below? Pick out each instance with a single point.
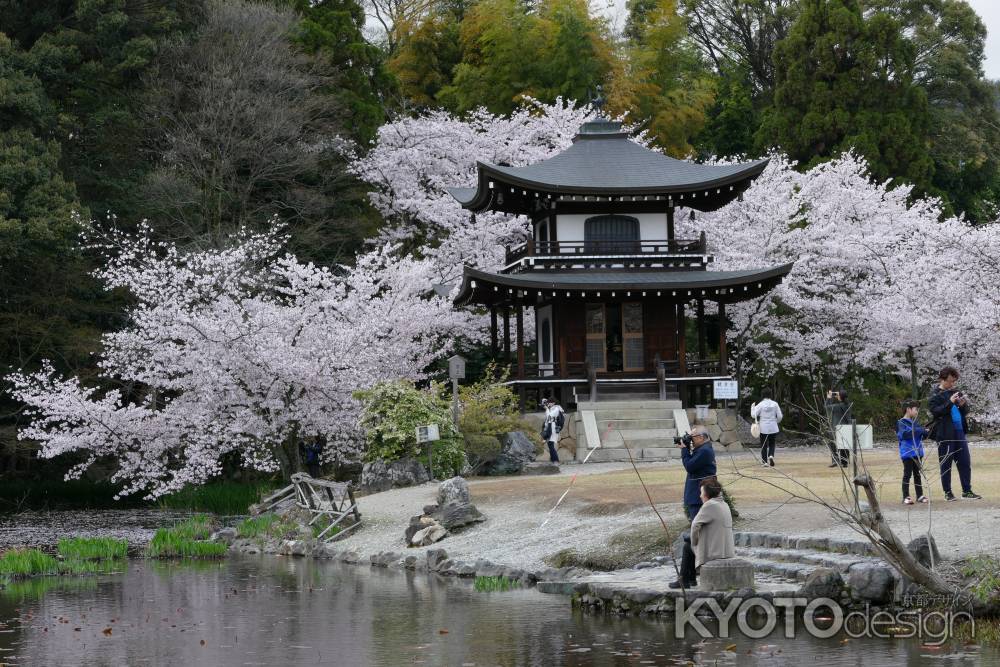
(275, 611)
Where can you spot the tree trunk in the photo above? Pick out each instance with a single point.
(895, 552)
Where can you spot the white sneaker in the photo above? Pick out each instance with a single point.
(923, 499)
(907, 500)
(770, 461)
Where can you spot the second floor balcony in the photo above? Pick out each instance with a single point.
(606, 249)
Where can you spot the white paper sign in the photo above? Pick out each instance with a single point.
(725, 389)
(865, 437)
(428, 433)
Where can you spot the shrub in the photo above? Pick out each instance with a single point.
(390, 415)
(489, 409)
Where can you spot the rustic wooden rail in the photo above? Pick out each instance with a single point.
(321, 498)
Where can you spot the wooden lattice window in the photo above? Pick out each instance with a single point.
(596, 340)
(632, 335)
(611, 233)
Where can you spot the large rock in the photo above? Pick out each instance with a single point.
(922, 548)
(457, 515)
(871, 582)
(728, 420)
(428, 535)
(377, 476)
(726, 574)
(517, 451)
(454, 490)
(823, 582)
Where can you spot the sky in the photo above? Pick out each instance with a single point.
(989, 10)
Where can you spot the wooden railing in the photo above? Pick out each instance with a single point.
(692, 367)
(534, 248)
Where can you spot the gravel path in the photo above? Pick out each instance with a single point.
(514, 533)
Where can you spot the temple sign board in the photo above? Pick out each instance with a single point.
(456, 367)
(428, 433)
(725, 390)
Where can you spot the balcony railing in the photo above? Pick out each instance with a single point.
(534, 248)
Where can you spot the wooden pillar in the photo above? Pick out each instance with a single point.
(702, 338)
(723, 352)
(681, 340)
(670, 226)
(494, 342)
(506, 334)
(520, 341)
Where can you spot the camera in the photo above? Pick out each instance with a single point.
(685, 439)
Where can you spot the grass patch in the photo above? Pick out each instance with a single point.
(984, 571)
(268, 526)
(27, 562)
(624, 550)
(187, 540)
(321, 524)
(92, 548)
(218, 497)
(494, 584)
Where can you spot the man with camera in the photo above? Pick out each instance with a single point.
(950, 408)
(698, 458)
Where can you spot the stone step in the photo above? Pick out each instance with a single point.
(642, 454)
(783, 541)
(634, 423)
(629, 405)
(615, 415)
(634, 436)
(808, 558)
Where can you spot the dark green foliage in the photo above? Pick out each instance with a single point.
(845, 80)
(732, 120)
(224, 498)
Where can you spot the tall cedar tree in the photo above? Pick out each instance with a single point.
(845, 81)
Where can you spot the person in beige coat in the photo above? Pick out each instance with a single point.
(711, 534)
(712, 528)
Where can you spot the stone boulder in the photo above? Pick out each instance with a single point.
(823, 582)
(875, 583)
(454, 490)
(922, 548)
(429, 535)
(726, 574)
(517, 450)
(378, 476)
(456, 515)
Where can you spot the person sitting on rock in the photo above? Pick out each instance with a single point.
(711, 535)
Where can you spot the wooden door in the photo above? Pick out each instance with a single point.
(632, 335)
(595, 325)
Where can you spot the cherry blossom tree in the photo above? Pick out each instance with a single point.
(240, 350)
(879, 281)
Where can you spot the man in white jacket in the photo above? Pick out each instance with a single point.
(768, 414)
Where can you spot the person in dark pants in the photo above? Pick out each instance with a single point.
(838, 411)
(699, 462)
(950, 409)
(312, 450)
(911, 451)
(768, 415)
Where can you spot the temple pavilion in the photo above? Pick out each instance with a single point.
(618, 299)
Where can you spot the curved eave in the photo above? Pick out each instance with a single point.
(722, 286)
(479, 198)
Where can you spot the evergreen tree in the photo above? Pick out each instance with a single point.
(845, 80)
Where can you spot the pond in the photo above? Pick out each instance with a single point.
(272, 611)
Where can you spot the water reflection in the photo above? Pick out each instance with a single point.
(268, 611)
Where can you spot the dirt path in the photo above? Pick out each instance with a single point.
(608, 498)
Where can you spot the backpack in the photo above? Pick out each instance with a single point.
(560, 421)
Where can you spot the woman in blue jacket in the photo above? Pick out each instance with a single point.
(911, 450)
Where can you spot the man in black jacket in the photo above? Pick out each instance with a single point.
(950, 408)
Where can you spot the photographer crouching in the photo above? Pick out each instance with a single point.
(698, 458)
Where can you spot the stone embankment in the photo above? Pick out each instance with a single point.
(845, 571)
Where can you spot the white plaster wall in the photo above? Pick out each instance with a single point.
(652, 226)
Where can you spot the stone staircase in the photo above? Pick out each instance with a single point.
(779, 558)
(646, 425)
